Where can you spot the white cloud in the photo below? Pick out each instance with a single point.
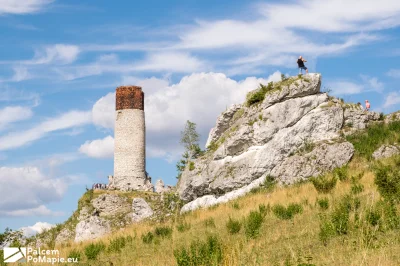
(38, 211)
(37, 228)
(13, 114)
(198, 97)
(149, 85)
(10, 94)
(333, 15)
(25, 190)
(394, 73)
(99, 148)
(103, 111)
(20, 73)
(58, 53)
(22, 7)
(345, 88)
(65, 121)
(392, 98)
(373, 83)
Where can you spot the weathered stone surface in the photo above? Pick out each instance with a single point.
(91, 228)
(64, 236)
(256, 151)
(262, 139)
(110, 204)
(392, 117)
(161, 188)
(85, 213)
(323, 158)
(223, 123)
(211, 200)
(386, 151)
(356, 118)
(141, 210)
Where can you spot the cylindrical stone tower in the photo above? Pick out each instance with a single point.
(130, 140)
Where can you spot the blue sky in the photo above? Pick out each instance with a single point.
(60, 62)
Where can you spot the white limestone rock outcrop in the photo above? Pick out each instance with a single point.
(110, 204)
(140, 210)
(356, 118)
(91, 228)
(251, 142)
(324, 157)
(223, 123)
(65, 235)
(161, 188)
(386, 151)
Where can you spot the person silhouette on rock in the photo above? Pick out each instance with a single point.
(300, 63)
(367, 105)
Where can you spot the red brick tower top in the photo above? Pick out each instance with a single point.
(129, 97)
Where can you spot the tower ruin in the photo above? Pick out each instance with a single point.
(130, 141)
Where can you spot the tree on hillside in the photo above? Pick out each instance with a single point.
(190, 141)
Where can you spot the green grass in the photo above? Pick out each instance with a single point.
(366, 142)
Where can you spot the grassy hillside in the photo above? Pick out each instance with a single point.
(348, 217)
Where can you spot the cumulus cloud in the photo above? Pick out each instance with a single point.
(99, 148)
(65, 121)
(199, 97)
(103, 111)
(22, 7)
(37, 228)
(13, 114)
(149, 85)
(25, 190)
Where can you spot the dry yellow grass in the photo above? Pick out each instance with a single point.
(281, 242)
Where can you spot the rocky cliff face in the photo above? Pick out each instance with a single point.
(294, 133)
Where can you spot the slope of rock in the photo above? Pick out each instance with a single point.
(294, 133)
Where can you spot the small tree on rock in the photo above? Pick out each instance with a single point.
(190, 141)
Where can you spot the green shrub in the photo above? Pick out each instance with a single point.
(259, 95)
(342, 173)
(287, 213)
(191, 166)
(93, 250)
(2, 258)
(264, 210)
(75, 254)
(148, 238)
(182, 227)
(381, 116)
(117, 244)
(233, 226)
(390, 216)
(327, 231)
(269, 183)
(373, 217)
(366, 142)
(200, 253)
(324, 184)
(163, 231)
(253, 224)
(210, 222)
(357, 189)
(323, 203)
(236, 205)
(387, 179)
